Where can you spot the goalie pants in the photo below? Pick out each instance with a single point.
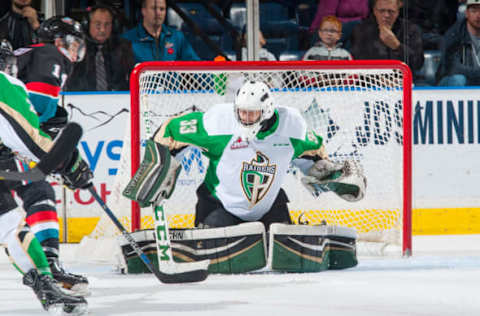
(38, 201)
(209, 212)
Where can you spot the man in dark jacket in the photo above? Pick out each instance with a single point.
(153, 40)
(384, 36)
(434, 17)
(109, 58)
(19, 24)
(460, 59)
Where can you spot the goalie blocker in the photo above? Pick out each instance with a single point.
(155, 178)
(243, 248)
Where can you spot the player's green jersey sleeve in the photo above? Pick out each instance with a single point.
(311, 145)
(14, 98)
(21, 131)
(189, 130)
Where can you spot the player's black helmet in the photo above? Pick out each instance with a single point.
(59, 26)
(8, 60)
(66, 29)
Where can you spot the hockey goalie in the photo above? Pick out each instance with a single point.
(241, 213)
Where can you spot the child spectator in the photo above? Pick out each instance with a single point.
(328, 47)
(349, 12)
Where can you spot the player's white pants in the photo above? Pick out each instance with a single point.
(11, 224)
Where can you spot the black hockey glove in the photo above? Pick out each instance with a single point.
(76, 174)
(55, 124)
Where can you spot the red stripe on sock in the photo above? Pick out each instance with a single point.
(41, 217)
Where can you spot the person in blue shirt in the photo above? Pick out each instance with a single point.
(153, 40)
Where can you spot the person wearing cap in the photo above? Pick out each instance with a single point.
(460, 52)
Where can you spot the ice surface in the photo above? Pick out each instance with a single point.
(442, 278)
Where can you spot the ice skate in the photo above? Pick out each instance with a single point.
(52, 298)
(74, 284)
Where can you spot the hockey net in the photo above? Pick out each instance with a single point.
(357, 106)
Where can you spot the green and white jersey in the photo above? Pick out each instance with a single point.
(245, 176)
(19, 122)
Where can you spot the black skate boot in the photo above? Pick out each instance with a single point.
(76, 284)
(52, 298)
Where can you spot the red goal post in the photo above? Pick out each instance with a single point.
(311, 80)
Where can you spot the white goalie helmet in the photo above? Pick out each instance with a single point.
(253, 96)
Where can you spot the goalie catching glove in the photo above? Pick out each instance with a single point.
(155, 178)
(345, 179)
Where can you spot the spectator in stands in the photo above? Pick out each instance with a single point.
(263, 53)
(4, 7)
(349, 12)
(19, 24)
(328, 47)
(153, 40)
(109, 58)
(460, 59)
(384, 36)
(434, 18)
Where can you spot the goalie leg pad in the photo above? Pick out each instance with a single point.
(145, 239)
(232, 249)
(156, 177)
(301, 248)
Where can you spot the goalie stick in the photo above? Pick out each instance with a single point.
(65, 143)
(164, 249)
(170, 273)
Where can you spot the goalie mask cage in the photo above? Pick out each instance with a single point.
(362, 109)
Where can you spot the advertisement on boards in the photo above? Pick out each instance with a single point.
(104, 118)
(445, 135)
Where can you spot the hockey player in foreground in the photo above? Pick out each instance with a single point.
(20, 132)
(250, 145)
(44, 68)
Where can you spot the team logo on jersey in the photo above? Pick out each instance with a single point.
(257, 177)
(239, 143)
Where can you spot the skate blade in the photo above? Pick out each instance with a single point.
(75, 309)
(68, 310)
(80, 289)
(55, 310)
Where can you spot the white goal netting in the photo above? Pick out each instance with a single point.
(357, 108)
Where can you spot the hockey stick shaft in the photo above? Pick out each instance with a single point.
(191, 276)
(194, 271)
(125, 234)
(65, 144)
